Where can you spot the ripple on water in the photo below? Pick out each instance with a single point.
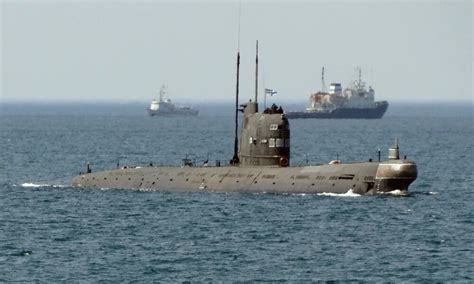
(23, 252)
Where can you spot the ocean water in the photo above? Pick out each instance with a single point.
(52, 232)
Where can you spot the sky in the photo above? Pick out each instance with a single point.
(123, 51)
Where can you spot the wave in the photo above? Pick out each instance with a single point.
(396, 192)
(349, 193)
(30, 184)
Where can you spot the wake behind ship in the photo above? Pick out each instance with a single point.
(354, 102)
(167, 108)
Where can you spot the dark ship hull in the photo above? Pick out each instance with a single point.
(172, 113)
(358, 178)
(353, 113)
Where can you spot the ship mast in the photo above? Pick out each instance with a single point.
(322, 81)
(360, 76)
(162, 92)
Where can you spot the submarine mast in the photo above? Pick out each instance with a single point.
(256, 74)
(235, 158)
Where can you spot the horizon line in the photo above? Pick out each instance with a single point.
(203, 102)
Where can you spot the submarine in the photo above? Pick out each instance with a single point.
(261, 164)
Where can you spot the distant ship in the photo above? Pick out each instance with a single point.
(354, 102)
(167, 108)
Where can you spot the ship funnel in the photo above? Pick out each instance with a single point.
(394, 151)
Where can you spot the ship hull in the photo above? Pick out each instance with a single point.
(347, 113)
(360, 178)
(172, 113)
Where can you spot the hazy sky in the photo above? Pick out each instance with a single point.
(123, 51)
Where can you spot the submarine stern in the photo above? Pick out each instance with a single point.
(395, 175)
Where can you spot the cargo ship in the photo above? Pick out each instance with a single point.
(356, 101)
(164, 107)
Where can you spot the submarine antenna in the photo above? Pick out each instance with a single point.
(256, 74)
(235, 158)
(264, 93)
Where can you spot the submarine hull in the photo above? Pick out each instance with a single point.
(360, 178)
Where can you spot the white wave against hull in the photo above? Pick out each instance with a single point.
(30, 184)
(349, 193)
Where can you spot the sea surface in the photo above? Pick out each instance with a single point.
(51, 232)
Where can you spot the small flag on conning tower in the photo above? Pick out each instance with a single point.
(270, 92)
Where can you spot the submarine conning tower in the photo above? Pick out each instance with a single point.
(264, 137)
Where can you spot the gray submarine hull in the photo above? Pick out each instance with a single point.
(360, 178)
